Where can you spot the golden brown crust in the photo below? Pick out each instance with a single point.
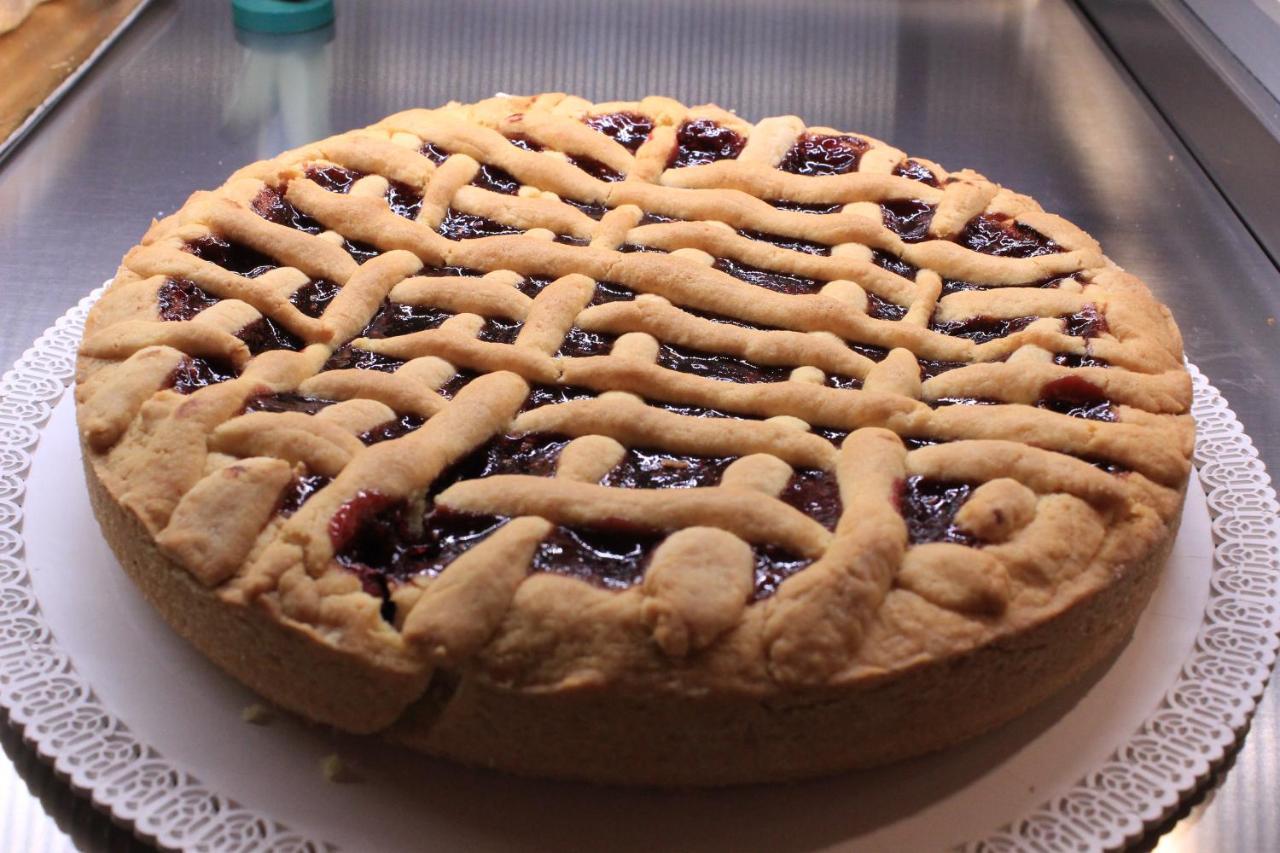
(1048, 385)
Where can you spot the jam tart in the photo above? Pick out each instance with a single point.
(635, 442)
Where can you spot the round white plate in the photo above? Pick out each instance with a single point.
(154, 733)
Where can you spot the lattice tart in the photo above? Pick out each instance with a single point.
(635, 442)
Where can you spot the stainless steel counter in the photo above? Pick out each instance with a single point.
(1021, 91)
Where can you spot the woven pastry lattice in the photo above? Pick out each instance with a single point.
(569, 334)
(1201, 715)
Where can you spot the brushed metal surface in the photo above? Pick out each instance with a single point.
(1021, 91)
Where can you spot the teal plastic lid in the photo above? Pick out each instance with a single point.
(281, 16)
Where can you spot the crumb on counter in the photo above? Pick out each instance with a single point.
(337, 770)
(257, 714)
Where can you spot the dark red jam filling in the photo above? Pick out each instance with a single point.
(848, 383)
(656, 469)
(917, 443)
(361, 252)
(883, 309)
(464, 226)
(499, 330)
(815, 493)
(951, 285)
(272, 206)
(1086, 323)
(401, 426)
(314, 296)
(335, 179)
(550, 395)
(450, 271)
(182, 299)
(194, 373)
(704, 141)
(232, 257)
(983, 329)
(596, 169)
(396, 318)
(835, 436)
(963, 401)
(265, 334)
(532, 285)
(382, 542)
(894, 264)
(908, 219)
(525, 143)
(929, 507)
(917, 171)
(495, 179)
(533, 454)
(813, 154)
(930, 368)
(693, 411)
(793, 243)
(456, 383)
(403, 200)
(773, 566)
(1004, 237)
(1077, 397)
(803, 207)
(570, 240)
(872, 352)
(590, 208)
(348, 357)
(286, 402)
(613, 557)
(776, 281)
(298, 491)
(1071, 359)
(629, 130)
(434, 153)
(579, 343)
(608, 291)
(628, 248)
(657, 219)
(716, 366)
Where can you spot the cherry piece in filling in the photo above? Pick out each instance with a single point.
(908, 219)
(813, 154)
(703, 141)
(181, 299)
(629, 130)
(1003, 237)
(929, 507)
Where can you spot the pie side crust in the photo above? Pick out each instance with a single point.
(878, 648)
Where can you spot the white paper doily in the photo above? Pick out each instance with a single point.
(152, 732)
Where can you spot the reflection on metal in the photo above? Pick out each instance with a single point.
(282, 90)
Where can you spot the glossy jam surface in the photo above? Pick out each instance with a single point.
(704, 141)
(495, 180)
(908, 219)
(883, 309)
(776, 281)
(579, 343)
(607, 291)
(233, 257)
(983, 329)
(396, 318)
(348, 357)
(194, 373)
(658, 469)
(629, 130)
(180, 299)
(718, 366)
(1086, 323)
(1005, 238)
(265, 334)
(1077, 397)
(465, 226)
(894, 264)
(314, 296)
(795, 244)
(299, 491)
(814, 154)
(804, 207)
(929, 507)
(815, 493)
(917, 171)
(613, 557)
(286, 402)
